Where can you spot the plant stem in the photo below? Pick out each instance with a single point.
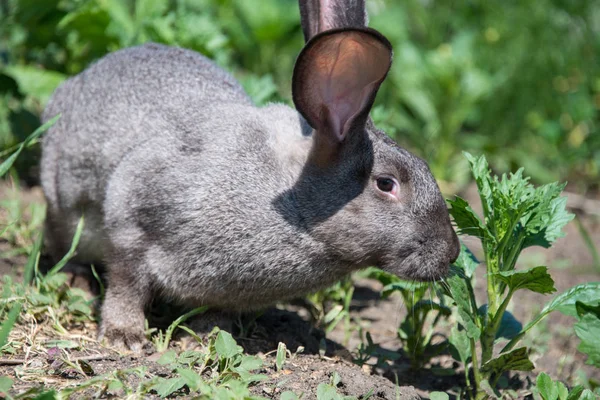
(495, 325)
(475, 366)
(487, 337)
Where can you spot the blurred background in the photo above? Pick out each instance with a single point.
(516, 80)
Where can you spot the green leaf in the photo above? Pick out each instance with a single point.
(385, 278)
(587, 394)
(588, 330)
(191, 378)
(565, 303)
(80, 307)
(168, 358)
(535, 279)
(7, 164)
(563, 392)
(169, 332)
(460, 345)
(55, 281)
(546, 387)
(515, 360)
(250, 363)
(481, 172)
(467, 221)
(466, 261)
(9, 323)
(226, 345)
(575, 393)
(71, 252)
(428, 306)
(327, 392)
(289, 395)
(333, 313)
(460, 291)
(46, 395)
(38, 299)
(33, 258)
(34, 81)
(545, 223)
(281, 353)
(166, 387)
(189, 357)
(401, 285)
(438, 396)
(5, 384)
(122, 24)
(150, 9)
(115, 386)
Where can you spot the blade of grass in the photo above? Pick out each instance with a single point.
(176, 323)
(5, 229)
(8, 163)
(71, 251)
(9, 323)
(33, 258)
(99, 280)
(16, 310)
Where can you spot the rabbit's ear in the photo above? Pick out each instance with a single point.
(321, 15)
(336, 78)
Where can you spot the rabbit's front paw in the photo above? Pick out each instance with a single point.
(123, 336)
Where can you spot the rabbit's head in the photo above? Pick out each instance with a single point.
(365, 197)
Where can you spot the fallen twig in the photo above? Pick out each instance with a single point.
(97, 357)
(13, 361)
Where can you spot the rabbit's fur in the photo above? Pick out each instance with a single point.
(191, 192)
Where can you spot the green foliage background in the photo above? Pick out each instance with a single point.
(518, 80)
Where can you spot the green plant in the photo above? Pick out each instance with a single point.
(547, 389)
(229, 370)
(49, 298)
(516, 215)
(423, 314)
(16, 150)
(587, 329)
(161, 340)
(331, 306)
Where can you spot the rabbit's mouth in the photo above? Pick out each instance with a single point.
(422, 265)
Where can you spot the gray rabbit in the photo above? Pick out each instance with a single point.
(191, 192)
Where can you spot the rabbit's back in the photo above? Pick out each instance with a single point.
(125, 99)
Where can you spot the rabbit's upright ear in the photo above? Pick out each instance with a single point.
(321, 15)
(336, 78)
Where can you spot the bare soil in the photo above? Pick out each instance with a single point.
(570, 262)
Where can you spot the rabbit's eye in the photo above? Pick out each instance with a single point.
(385, 184)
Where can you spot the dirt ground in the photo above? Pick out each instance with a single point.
(570, 263)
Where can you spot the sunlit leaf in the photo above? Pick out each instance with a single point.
(588, 330)
(226, 345)
(535, 279)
